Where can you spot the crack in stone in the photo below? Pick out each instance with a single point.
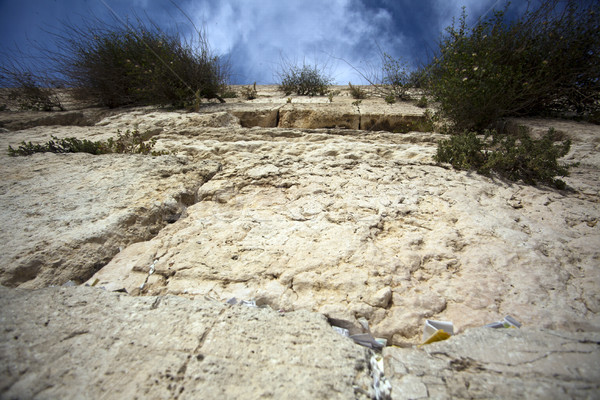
(74, 334)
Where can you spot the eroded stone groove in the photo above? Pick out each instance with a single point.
(65, 216)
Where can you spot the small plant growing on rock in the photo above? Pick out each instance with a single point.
(515, 157)
(56, 145)
(229, 93)
(422, 102)
(356, 92)
(304, 81)
(389, 79)
(249, 93)
(137, 64)
(130, 142)
(395, 77)
(390, 99)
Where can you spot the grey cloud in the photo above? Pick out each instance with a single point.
(255, 35)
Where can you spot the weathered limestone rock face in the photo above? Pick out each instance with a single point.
(66, 215)
(85, 342)
(485, 363)
(349, 223)
(72, 343)
(356, 224)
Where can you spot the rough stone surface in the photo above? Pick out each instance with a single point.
(73, 343)
(350, 223)
(66, 215)
(485, 363)
(356, 224)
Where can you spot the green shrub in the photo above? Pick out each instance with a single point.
(548, 61)
(228, 93)
(422, 102)
(390, 98)
(304, 81)
(249, 93)
(138, 65)
(356, 92)
(515, 157)
(127, 143)
(56, 145)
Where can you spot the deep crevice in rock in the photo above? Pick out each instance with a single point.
(141, 225)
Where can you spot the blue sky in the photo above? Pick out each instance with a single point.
(256, 35)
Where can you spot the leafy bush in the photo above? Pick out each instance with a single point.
(129, 143)
(304, 81)
(515, 157)
(138, 64)
(390, 98)
(356, 92)
(548, 61)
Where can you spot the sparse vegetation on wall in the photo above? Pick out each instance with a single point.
(545, 63)
(117, 65)
(515, 157)
(29, 92)
(249, 92)
(140, 64)
(356, 92)
(130, 142)
(304, 81)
